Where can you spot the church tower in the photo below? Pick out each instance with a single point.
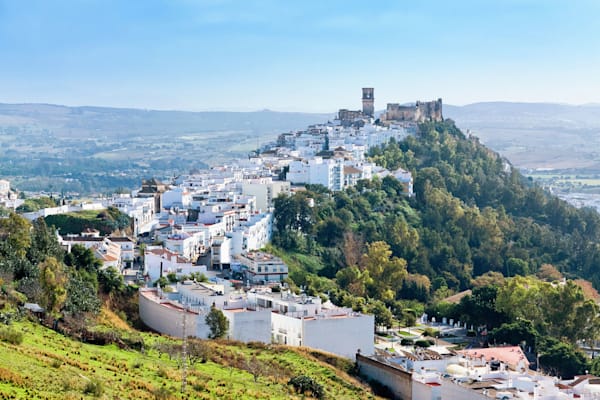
(368, 102)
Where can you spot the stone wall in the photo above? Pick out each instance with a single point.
(420, 112)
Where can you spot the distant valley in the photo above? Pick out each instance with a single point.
(99, 149)
(535, 135)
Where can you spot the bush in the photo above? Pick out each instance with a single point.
(307, 385)
(162, 393)
(94, 387)
(431, 332)
(471, 333)
(423, 343)
(407, 342)
(11, 336)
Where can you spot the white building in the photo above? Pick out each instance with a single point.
(105, 249)
(253, 234)
(127, 249)
(259, 316)
(183, 243)
(263, 267)
(139, 209)
(405, 177)
(318, 171)
(162, 261)
(265, 190)
(221, 252)
(164, 313)
(4, 188)
(304, 321)
(176, 197)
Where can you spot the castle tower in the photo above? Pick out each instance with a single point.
(368, 101)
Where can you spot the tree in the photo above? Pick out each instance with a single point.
(217, 322)
(44, 243)
(110, 280)
(515, 333)
(83, 259)
(516, 266)
(387, 272)
(82, 296)
(549, 273)
(197, 350)
(14, 235)
(53, 280)
(383, 316)
(562, 359)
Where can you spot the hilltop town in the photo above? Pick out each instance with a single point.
(202, 242)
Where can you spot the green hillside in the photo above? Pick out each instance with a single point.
(472, 214)
(48, 365)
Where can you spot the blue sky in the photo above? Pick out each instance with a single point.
(297, 55)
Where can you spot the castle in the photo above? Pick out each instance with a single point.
(420, 112)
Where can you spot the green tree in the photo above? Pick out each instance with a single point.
(515, 333)
(217, 322)
(44, 243)
(383, 316)
(53, 280)
(386, 272)
(562, 359)
(82, 296)
(14, 235)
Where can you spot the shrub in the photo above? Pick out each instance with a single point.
(11, 336)
(307, 385)
(94, 387)
(407, 342)
(471, 333)
(431, 332)
(423, 343)
(161, 372)
(162, 393)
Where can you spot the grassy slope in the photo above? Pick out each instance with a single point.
(48, 365)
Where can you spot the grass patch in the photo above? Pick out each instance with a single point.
(48, 365)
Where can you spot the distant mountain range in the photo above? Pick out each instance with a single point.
(94, 121)
(530, 135)
(535, 135)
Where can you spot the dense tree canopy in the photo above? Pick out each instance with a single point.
(472, 215)
(33, 263)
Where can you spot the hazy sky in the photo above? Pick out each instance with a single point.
(297, 55)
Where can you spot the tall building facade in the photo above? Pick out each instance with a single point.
(368, 102)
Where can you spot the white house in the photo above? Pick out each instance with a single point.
(326, 172)
(265, 190)
(4, 188)
(105, 249)
(164, 261)
(127, 246)
(221, 252)
(176, 197)
(263, 267)
(259, 316)
(139, 209)
(304, 321)
(405, 177)
(165, 313)
(253, 234)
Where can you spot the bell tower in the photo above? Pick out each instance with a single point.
(368, 101)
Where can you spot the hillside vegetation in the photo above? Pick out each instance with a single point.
(472, 214)
(48, 365)
(105, 221)
(474, 223)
